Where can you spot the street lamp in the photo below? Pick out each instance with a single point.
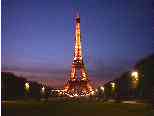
(135, 75)
(103, 94)
(113, 89)
(43, 89)
(113, 85)
(135, 82)
(102, 88)
(27, 86)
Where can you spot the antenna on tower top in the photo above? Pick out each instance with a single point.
(77, 14)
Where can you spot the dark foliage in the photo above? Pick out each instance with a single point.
(145, 88)
(13, 87)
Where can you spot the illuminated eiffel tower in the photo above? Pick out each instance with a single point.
(79, 83)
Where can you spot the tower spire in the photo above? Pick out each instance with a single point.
(77, 14)
(78, 49)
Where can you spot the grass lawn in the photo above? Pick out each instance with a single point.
(34, 108)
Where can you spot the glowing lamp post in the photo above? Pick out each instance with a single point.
(135, 82)
(135, 79)
(113, 88)
(27, 87)
(113, 85)
(102, 88)
(43, 89)
(43, 92)
(135, 76)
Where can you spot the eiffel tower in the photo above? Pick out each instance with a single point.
(79, 83)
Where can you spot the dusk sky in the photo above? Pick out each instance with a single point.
(38, 37)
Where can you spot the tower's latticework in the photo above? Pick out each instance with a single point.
(79, 83)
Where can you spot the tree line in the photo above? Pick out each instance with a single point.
(125, 87)
(13, 87)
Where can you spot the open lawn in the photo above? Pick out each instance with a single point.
(75, 108)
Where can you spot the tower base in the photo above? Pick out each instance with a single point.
(78, 88)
